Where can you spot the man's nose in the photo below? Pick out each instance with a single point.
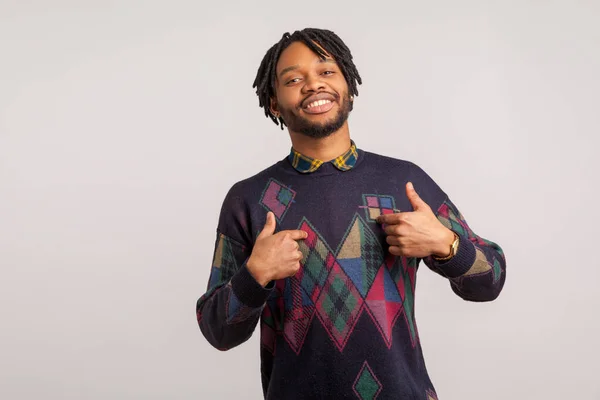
(313, 83)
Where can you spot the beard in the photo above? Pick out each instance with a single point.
(317, 130)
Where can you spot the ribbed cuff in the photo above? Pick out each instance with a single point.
(461, 262)
(247, 290)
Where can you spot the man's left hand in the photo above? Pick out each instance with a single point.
(418, 233)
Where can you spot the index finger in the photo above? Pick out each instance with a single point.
(389, 219)
(296, 234)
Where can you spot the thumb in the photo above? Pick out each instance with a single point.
(413, 197)
(270, 226)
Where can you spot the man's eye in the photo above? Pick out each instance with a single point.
(328, 72)
(293, 80)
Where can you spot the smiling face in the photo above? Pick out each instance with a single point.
(311, 94)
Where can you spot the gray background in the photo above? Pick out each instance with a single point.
(123, 124)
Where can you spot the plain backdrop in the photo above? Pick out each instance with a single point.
(123, 124)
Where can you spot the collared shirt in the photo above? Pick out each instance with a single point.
(305, 164)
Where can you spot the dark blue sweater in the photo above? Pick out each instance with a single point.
(344, 325)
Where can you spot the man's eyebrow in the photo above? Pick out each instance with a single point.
(288, 69)
(293, 67)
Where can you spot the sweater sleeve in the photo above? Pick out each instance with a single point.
(478, 270)
(230, 309)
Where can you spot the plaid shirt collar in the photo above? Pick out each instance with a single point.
(305, 164)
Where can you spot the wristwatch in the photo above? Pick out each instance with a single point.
(453, 250)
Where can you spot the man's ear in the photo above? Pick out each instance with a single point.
(274, 108)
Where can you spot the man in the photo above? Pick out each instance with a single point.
(323, 247)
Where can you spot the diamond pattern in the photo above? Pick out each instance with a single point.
(376, 205)
(403, 272)
(337, 286)
(366, 386)
(339, 306)
(361, 255)
(224, 261)
(277, 198)
(285, 196)
(372, 255)
(316, 263)
(303, 289)
(237, 311)
(384, 304)
(486, 260)
(313, 275)
(299, 313)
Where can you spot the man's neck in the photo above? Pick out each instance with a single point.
(325, 149)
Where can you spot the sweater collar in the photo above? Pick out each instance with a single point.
(305, 164)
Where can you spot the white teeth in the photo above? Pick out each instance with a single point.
(318, 103)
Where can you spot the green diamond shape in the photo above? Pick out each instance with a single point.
(314, 265)
(337, 285)
(284, 196)
(367, 387)
(328, 306)
(340, 323)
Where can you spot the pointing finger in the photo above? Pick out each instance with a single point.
(390, 219)
(296, 234)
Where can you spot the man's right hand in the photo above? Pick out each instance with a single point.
(275, 255)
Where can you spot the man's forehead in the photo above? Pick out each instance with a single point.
(297, 53)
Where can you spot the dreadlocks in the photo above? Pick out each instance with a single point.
(329, 43)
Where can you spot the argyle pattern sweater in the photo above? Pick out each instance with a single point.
(344, 326)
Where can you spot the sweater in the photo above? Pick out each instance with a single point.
(344, 326)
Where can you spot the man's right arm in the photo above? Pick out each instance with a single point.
(241, 281)
(230, 309)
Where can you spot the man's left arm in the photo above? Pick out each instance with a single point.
(478, 269)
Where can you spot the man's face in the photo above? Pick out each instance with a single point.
(311, 93)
